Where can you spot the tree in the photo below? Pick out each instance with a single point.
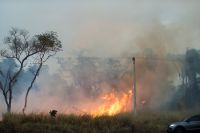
(192, 70)
(26, 51)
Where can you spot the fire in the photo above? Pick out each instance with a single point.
(113, 103)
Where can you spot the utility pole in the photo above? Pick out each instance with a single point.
(134, 85)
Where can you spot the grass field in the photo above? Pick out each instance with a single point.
(121, 123)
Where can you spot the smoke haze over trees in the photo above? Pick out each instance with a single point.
(24, 52)
(79, 82)
(188, 94)
(99, 39)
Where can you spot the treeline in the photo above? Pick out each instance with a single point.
(188, 93)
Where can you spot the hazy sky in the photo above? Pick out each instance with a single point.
(105, 27)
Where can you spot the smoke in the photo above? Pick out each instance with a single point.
(77, 86)
(103, 38)
(8, 67)
(80, 82)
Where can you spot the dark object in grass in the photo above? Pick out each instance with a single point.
(53, 113)
(132, 128)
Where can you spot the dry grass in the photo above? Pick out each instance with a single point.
(121, 123)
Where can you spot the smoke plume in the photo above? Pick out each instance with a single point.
(98, 46)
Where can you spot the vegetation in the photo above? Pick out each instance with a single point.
(25, 51)
(121, 123)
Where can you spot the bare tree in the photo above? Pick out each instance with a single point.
(26, 51)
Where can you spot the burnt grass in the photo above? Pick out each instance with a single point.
(120, 123)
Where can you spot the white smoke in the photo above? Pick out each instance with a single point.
(105, 29)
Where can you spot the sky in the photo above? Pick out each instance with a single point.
(106, 27)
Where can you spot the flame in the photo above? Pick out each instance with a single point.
(113, 103)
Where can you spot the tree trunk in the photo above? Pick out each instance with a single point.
(29, 88)
(9, 99)
(9, 108)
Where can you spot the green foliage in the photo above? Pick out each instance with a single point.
(47, 42)
(121, 123)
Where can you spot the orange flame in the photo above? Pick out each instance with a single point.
(114, 103)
